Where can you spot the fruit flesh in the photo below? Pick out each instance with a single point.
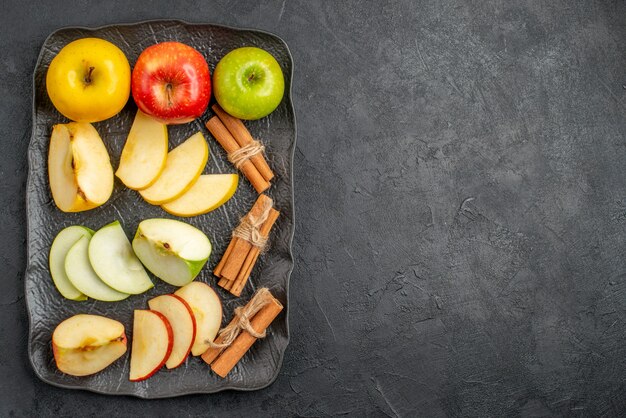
(183, 323)
(152, 344)
(79, 168)
(172, 250)
(183, 166)
(114, 261)
(144, 154)
(58, 251)
(84, 278)
(207, 310)
(86, 344)
(208, 193)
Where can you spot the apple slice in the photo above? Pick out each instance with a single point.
(207, 309)
(85, 344)
(58, 251)
(174, 251)
(114, 261)
(152, 344)
(81, 274)
(183, 323)
(183, 166)
(144, 154)
(208, 193)
(79, 168)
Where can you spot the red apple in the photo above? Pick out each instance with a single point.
(171, 82)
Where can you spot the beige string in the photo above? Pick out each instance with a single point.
(248, 229)
(246, 152)
(243, 314)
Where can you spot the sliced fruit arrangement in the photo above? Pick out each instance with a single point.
(183, 166)
(183, 323)
(114, 261)
(174, 326)
(84, 278)
(144, 154)
(100, 265)
(79, 168)
(58, 251)
(172, 250)
(85, 344)
(105, 266)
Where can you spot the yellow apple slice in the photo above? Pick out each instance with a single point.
(183, 166)
(144, 154)
(208, 193)
(79, 168)
(85, 344)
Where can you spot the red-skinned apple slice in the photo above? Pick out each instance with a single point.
(152, 344)
(183, 323)
(207, 309)
(85, 344)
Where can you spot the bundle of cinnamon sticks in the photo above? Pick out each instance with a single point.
(248, 324)
(249, 239)
(243, 151)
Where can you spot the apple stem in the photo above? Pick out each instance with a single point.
(88, 77)
(168, 88)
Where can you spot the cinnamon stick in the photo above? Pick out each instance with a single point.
(218, 269)
(226, 140)
(243, 138)
(241, 248)
(222, 361)
(242, 278)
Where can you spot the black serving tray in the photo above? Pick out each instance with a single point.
(46, 307)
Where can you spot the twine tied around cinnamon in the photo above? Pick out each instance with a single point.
(243, 154)
(248, 228)
(243, 315)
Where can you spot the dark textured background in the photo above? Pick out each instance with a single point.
(460, 203)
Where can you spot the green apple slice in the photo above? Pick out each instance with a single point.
(82, 276)
(60, 246)
(174, 251)
(114, 261)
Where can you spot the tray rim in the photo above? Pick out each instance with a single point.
(293, 214)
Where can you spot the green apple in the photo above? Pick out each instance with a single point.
(114, 261)
(248, 83)
(174, 251)
(82, 276)
(58, 251)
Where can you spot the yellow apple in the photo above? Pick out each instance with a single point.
(79, 168)
(89, 80)
(144, 154)
(183, 166)
(85, 344)
(208, 193)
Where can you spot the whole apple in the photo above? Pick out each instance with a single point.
(248, 83)
(89, 80)
(171, 82)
